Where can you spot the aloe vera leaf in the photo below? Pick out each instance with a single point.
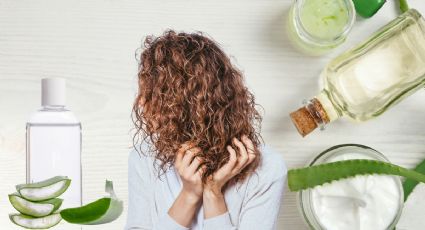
(44, 190)
(101, 211)
(409, 184)
(35, 222)
(35, 209)
(309, 177)
(403, 6)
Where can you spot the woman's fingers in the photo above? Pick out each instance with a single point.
(190, 164)
(246, 157)
(188, 156)
(180, 154)
(251, 157)
(250, 149)
(243, 156)
(193, 167)
(248, 144)
(227, 168)
(201, 171)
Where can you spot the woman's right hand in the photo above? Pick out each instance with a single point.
(187, 165)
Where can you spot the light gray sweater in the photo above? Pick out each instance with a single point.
(253, 204)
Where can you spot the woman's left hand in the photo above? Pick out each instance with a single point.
(236, 163)
(213, 198)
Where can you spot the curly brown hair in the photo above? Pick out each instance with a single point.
(189, 91)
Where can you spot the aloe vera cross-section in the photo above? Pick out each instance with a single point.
(35, 209)
(44, 190)
(35, 222)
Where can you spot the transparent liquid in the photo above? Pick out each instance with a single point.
(366, 81)
(55, 150)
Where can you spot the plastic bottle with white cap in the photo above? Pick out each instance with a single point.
(54, 141)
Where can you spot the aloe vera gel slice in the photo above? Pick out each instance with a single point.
(44, 190)
(35, 209)
(35, 222)
(101, 211)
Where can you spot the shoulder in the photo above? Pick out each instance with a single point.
(272, 169)
(139, 159)
(139, 153)
(272, 165)
(270, 174)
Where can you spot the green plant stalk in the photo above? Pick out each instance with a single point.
(410, 184)
(403, 6)
(309, 177)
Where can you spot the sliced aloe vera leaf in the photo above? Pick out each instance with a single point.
(44, 190)
(35, 222)
(35, 209)
(309, 177)
(101, 211)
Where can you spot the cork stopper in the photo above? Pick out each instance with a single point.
(309, 117)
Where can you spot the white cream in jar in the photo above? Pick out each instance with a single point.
(372, 202)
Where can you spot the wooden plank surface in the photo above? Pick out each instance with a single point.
(92, 44)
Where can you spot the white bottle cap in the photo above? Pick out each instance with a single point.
(53, 91)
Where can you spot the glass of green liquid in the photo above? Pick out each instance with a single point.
(317, 26)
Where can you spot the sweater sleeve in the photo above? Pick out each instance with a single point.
(262, 199)
(141, 197)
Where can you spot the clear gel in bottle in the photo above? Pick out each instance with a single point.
(54, 142)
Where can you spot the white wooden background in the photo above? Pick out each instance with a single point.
(92, 44)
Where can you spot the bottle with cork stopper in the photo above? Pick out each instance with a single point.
(315, 113)
(367, 80)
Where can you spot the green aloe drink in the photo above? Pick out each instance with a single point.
(365, 81)
(317, 26)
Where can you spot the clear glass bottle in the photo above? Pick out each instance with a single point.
(365, 81)
(54, 142)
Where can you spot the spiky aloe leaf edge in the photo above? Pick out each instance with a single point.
(309, 177)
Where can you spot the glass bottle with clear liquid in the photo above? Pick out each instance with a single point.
(54, 142)
(365, 81)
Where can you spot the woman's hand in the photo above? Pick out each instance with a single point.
(188, 201)
(236, 163)
(213, 199)
(187, 165)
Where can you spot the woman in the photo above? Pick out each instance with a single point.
(201, 164)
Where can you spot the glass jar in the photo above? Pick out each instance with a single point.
(305, 198)
(317, 26)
